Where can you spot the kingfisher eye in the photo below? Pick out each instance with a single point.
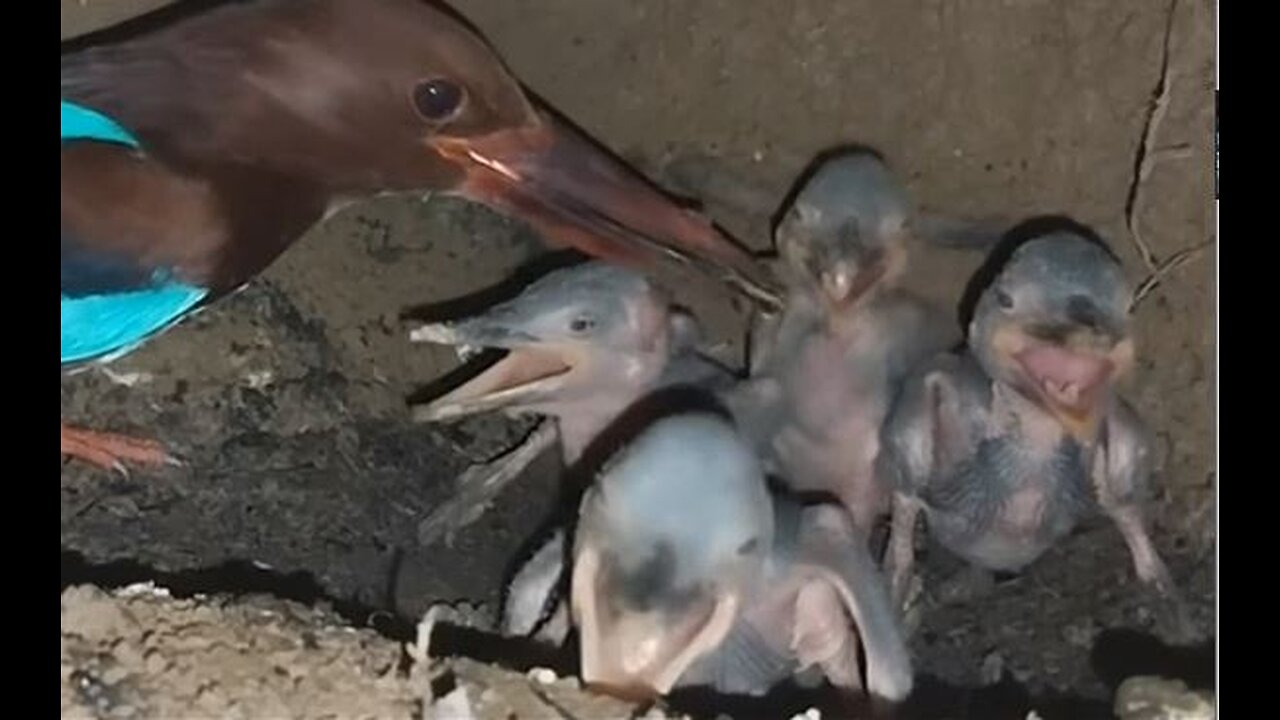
(438, 100)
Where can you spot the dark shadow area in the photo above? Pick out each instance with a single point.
(516, 654)
(784, 701)
(1122, 653)
(933, 699)
(1008, 699)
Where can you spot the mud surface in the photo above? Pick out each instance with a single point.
(305, 478)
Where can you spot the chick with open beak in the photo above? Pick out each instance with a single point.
(687, 572)
(1056, 329)
(822, 379)
(582, 345)
(1006, 446)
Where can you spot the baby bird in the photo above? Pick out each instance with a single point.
(687, 571)
(823, 379)
(1005, 446)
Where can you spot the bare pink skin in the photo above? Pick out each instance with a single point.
(689, 571)
(816, 406)
(802, 609)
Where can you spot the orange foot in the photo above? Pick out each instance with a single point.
(110, 452)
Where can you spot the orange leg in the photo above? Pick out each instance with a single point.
(110, 452)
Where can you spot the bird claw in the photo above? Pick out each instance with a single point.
(112, 452)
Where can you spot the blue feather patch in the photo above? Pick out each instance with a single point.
(110, 323)
(81, 123)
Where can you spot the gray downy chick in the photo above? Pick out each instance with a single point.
(583, 345)
(688, 572)
(823, 377)
(1005, 446)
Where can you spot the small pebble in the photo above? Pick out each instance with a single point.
(992, 668)
(542, 675)
(143, 589)
(1154, 698)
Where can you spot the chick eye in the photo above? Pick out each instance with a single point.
(438, 99)
(582, 323)
(1004, 299)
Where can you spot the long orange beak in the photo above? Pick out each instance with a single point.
(575, 194)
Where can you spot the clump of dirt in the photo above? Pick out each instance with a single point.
(143, 654)
(139, 652)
